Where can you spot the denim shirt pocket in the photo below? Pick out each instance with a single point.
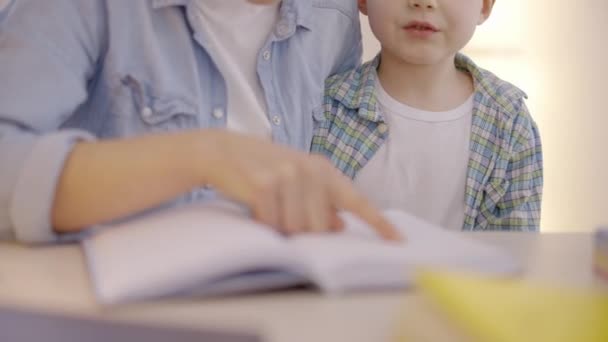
(153, 110)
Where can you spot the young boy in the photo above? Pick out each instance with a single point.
(423, 129)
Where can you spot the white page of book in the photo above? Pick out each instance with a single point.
(358, 259)
(181, 249)
(215, 248)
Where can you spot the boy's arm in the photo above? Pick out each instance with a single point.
(520, 206)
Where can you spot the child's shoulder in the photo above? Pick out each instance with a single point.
(352, 88)
(494, 91)
(499, 100)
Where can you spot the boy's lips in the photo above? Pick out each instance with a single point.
(416, 25)
(420, 29)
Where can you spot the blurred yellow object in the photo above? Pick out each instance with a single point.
(467, 308)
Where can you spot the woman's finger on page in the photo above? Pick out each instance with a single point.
(376, 220)
(350, 200)
(336, 222)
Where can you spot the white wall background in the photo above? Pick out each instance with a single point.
(557, 51)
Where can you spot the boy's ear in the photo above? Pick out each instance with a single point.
(486, 10)
(363, 6)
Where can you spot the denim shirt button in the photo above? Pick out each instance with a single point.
(146, 112)
(218, 113)
(276, 120)
(283, 29)
(266, 55)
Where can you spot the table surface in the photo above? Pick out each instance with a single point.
(54, 279)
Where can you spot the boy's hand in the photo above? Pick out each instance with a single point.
(286, 189)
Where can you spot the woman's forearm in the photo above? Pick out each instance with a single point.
(107, 180)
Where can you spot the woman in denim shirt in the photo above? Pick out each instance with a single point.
(109, 108)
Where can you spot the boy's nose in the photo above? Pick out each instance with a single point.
(423, 4)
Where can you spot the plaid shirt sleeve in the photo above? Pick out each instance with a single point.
(514, 196)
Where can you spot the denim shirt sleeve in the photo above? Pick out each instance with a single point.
(4, 5)
(353, 56)
(48, 54)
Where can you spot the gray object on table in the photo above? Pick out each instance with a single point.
(23, 326)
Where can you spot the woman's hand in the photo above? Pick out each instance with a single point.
(290, 190)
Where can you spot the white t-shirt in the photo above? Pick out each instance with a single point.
(236, 31)
(423, 164)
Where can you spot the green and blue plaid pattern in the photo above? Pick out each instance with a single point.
(505, 170)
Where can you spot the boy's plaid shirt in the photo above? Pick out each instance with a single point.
(505, 170)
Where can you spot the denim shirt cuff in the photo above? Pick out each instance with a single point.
(34, 192)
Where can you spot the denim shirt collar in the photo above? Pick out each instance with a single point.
(300, 10)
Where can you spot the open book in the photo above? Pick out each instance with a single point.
(215, 248)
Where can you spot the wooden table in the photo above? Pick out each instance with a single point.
(55, 279)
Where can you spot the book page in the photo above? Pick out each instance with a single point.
(359, 259)
(180, 250)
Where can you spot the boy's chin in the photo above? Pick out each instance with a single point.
(421, 57)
